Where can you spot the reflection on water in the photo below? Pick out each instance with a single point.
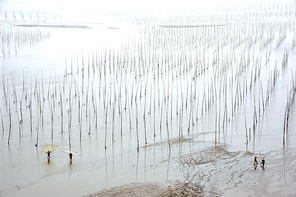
(144, 100)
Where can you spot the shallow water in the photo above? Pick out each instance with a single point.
(123, 82)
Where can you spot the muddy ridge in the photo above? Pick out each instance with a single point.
(152, 190)
(209, 155)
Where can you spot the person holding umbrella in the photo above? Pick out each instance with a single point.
(48, 149)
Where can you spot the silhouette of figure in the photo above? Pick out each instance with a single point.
(263, 162)
(255, 162)
(48, 157)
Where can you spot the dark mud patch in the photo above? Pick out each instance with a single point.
(209, 155)
(248, 153)
(133, 189)
(184, 189)
(172, 142)
(152, 190)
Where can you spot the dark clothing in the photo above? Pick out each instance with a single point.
(263, 162)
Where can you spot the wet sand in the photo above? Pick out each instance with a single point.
(221, 173)
(152, 189)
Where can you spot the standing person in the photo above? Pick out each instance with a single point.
(48, 156)
(255, 162)
(263, 162)
(70, 155)
(48, 149)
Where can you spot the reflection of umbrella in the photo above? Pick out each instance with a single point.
(49, 148)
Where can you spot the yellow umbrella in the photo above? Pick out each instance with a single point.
(49, 148)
